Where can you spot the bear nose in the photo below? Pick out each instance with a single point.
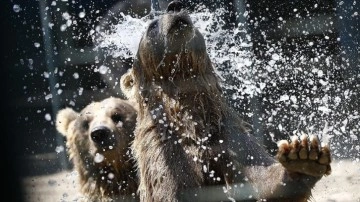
(175, 6)
(100, 134)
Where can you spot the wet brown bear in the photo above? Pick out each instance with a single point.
(98, 142)
(189, 145)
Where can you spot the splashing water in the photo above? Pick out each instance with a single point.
(296, 93)
(123, 39)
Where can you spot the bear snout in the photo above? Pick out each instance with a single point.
(103, 136)
(175, 6)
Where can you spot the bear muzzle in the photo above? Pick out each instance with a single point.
(103, 137)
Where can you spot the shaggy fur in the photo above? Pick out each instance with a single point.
(189, 145)
(98, 142)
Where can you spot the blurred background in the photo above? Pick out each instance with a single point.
(303, 72)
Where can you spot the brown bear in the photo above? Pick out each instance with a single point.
(189, 144)
(98, 142)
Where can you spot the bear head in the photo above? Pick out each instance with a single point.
(98, 140)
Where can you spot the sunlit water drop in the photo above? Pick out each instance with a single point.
(103, 69)
(59, 149)
(81, 14)
(37, 45)
(98, 158)
(76, 75)
(48, 117)
(16, 8)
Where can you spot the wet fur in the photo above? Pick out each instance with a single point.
(187, 138)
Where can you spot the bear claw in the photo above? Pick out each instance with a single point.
(305, 156)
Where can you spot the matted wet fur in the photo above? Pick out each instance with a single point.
(189, 145)
(98, 142)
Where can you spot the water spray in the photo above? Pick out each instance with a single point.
(155, 6)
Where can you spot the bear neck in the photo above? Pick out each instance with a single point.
(101, 182)
(196, 108)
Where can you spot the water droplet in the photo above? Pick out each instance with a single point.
(111, 175)
(59, 149)
(16, 8)
(48, 117)
(81, 14)
(103, 69)
(98, 158)
(76, 75)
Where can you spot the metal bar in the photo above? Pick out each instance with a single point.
(45, 16)
(348, 28)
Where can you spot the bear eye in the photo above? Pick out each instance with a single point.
(153, 24)
(117, 118)
(153, 28)
(85, 125)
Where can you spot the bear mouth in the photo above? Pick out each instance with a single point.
(172, 33)
(177, 25)
(170, 29)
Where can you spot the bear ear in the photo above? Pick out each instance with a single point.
(63, 119)
(127, 83)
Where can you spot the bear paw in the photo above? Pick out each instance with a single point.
(305, 156)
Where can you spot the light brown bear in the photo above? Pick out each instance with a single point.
(98, 140)
(189, 144)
